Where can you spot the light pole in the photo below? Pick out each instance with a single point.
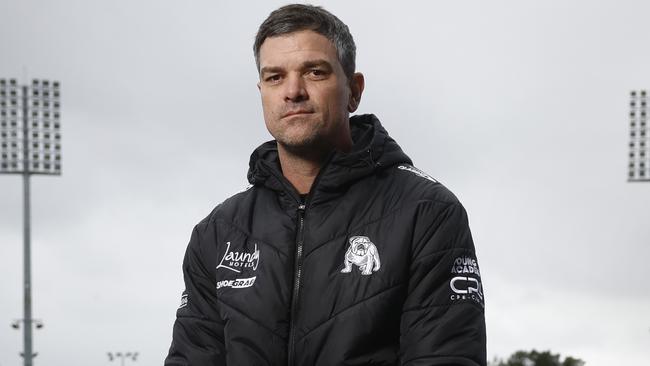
(122, 356)
(639, 163)
(30, 143)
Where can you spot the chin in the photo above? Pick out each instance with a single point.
(302, 145)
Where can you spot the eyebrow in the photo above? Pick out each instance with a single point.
(305, 65)
(270, 69)
(317, 63)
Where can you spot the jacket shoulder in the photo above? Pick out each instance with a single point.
(228, 208)
(417, 185)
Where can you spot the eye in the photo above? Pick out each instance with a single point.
(317, 73)
(273, 78)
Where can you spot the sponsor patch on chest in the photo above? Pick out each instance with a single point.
(238, 261)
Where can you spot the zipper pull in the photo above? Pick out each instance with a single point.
(301, 207)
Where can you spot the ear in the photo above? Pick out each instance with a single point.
(259, 86)
(357, 84)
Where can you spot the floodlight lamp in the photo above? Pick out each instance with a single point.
(45, 83)
(39, 324)
(15, 324)
(12, 82)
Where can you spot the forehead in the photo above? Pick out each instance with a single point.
(296, 47)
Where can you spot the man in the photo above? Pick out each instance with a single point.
(341, 252)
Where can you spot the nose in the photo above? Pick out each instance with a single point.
(295, 89)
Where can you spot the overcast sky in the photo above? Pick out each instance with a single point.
(519, 107)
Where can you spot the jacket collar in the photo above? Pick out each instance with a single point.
(373, 150)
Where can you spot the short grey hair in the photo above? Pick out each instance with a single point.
(298, 17)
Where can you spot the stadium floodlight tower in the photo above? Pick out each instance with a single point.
(30, 143)
(639, 164)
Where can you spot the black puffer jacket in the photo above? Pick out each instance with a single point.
(376, 268)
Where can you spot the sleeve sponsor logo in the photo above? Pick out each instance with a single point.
(466, 281)
(417, 172)
(183, 301)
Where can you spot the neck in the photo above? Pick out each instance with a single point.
(300, 171)
(301, 165)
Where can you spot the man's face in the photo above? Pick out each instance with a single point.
(305, 93)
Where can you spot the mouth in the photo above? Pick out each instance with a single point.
(297, 112)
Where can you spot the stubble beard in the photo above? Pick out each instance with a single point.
(308, 144)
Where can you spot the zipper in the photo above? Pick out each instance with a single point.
(296, 281)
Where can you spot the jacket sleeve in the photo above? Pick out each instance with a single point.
(197, 338)
(443, 319)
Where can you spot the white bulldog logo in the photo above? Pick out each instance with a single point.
(364, 254)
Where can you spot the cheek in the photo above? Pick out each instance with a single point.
(269, 102)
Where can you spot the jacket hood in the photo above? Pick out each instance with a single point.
(373, 149)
